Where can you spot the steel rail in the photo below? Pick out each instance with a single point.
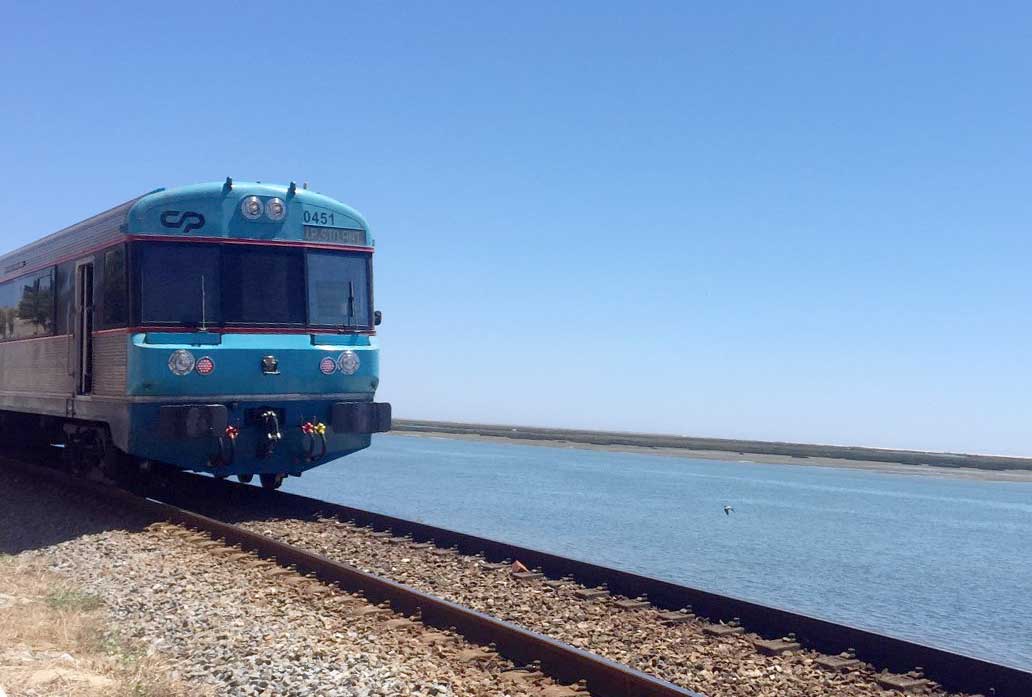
(562, 662)
(954, 671)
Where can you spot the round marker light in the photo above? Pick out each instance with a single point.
(204, 366)
(275, 209)
(251, 208)
(348, 362)
(327, 366)
(181, 362)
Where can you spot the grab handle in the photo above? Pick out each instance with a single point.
(71, 341)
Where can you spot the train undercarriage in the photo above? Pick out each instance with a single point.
(86, 449)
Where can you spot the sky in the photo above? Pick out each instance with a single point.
(798, 221)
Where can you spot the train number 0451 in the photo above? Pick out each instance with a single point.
(319, 217)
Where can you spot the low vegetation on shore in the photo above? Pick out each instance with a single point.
(57, 640)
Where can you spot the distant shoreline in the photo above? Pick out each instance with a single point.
(912, 462)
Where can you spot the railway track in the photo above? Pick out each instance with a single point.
(614, 594)
(280, 524)
(567, 671)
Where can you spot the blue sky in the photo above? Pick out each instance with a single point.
(807, 221)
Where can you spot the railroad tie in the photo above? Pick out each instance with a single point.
(522, 676)
(671, 618)
(431, 638)
(776, 647)
(719, 630)
(838, 664)
(562, 691)
(475, 654)
(316, 587)
(903, 683)
(369, 611)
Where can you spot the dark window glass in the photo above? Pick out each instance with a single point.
(174, 278)
(250, 285)
(65, 286)
(114, 306)
(263, 285)
(338, 289)
(8, 308)
(34, 313)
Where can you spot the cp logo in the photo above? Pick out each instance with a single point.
(188, 220)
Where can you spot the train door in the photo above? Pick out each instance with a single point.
(84, 327)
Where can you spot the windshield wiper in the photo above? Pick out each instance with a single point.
(204, 305)
(351, 305)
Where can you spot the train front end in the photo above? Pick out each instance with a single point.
(253, 349)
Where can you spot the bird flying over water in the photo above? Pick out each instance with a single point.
(728, 510)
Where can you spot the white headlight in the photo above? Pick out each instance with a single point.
(181, 362)
(251, 207)
(348, 362)
(275, 209)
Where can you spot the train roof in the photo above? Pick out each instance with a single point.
(220, 203)
(208, 210)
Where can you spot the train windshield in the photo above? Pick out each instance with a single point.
(337, 286)
(216, 285)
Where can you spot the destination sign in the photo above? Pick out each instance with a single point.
(340, 235)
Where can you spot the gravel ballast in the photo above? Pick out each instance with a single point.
(236, 625)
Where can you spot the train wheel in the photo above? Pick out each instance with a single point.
(156, 478)
(72, 461)
(245, 478)
(121, 468)
(271, 481)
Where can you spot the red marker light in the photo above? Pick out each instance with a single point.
(327, 366)
(204, 366)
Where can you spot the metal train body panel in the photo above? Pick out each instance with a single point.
(199, 333)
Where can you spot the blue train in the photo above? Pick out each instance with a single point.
(226, 328)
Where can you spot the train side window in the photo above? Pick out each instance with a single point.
(8, 309)
(34, 311)
(114, 292)
(65, 290)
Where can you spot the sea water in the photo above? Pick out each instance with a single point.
(938, 560)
